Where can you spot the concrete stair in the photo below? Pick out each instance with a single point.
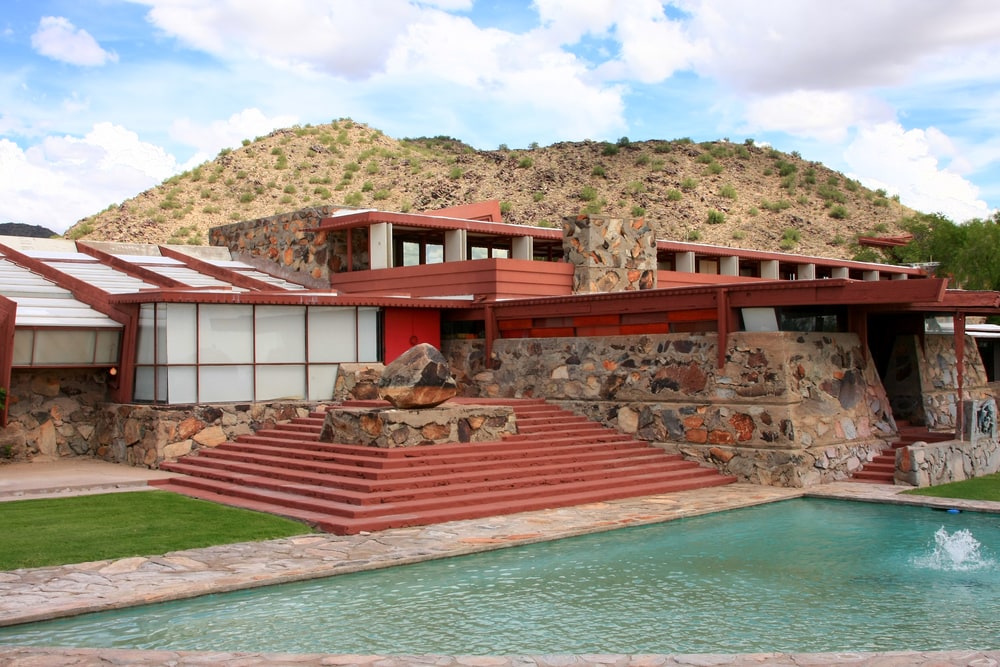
(882, 468)
(556, 459)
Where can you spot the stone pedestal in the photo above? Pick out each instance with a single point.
(390, 427)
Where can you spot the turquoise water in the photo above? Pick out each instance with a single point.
(797, 576)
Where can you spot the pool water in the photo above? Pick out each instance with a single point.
(797, 576)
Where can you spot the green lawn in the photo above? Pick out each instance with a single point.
(58, 531)
(980, 488)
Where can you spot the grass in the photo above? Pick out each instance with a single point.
(60, 531)
(979, 488)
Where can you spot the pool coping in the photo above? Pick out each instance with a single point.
(31, 595)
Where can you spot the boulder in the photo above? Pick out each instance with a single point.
(419, 378)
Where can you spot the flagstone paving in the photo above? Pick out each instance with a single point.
(51, 592)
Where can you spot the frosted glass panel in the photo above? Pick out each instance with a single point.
(226, 334)
(321, 381)
(64, 347)
(183, 383)
(182, 333)
(367, 334)
(161, 333)
(224, 384)
(281, 334)
(332, 334)
(23, 339)
(287, 382)
(144, 344)
(144, 384)
(107, 347)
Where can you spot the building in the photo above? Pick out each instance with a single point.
(779, 368)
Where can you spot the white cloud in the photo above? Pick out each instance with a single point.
(908, 163)
(209, 139)
(63, 179)
(347, 39)
(60, 40)
(783, 45)
(814, 114)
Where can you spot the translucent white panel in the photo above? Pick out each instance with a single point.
(225, 334)
(225, 384)
(281, 334)
(161, 333)
(145, 383)
(182, 333)
(107, 347)
(64, 347)
(332, 334)
(23, 339)
(284, 382)
(322, 378)
(182, 384)
(147, 335)
(367, 334)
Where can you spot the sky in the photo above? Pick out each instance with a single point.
(103, 99)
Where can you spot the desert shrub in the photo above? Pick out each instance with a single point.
(599, 170)
(638, 211)
(689, 184)
(716, 217)
(838, 212)
(674, 195)
(714, 168)
(727, 191)
(525, 163)
(775, 206)
(588, 193)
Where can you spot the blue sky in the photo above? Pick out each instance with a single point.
(102, 99)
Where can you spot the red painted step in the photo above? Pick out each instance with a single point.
(556, 459)
(882, 468)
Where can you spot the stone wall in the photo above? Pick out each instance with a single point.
(282, 240)
(610, 254)
(927, 464)
(52, 413)
(61, 414)
(789, 409)
(923, 382)
(147, 435)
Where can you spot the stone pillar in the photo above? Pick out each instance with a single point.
(871, 275)
(729, 266)
(840, 272)
(900, 276)
(807, 271)
(769, 269)
(610, 254)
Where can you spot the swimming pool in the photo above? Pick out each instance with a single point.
(796, 576)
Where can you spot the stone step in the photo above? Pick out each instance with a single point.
(446, 485)
(566, 456)
(558, 458)
(430, 510)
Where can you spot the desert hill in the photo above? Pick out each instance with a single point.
(719, 192)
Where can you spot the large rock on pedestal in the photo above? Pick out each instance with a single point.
(419, 378)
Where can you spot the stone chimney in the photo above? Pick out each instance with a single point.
(610, 254)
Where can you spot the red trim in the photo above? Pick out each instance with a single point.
(8, 319)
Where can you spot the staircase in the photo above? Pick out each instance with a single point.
(882, 468)
(556, 459)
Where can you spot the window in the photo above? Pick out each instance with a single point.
(207, 353)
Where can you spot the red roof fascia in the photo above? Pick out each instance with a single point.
(488, 211)
(763, 255)
(739, 295)
(885, 241)
(287, 298)
(368, 218)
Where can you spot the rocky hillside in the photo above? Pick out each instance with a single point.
(715, 192)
